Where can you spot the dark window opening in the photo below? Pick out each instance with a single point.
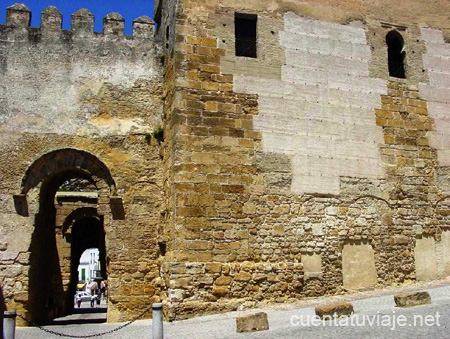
(245, 34)
(396, 55)
(162, 247)
(167, 36)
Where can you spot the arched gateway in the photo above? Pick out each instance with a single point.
(68, 192)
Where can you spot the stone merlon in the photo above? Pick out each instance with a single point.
(82, 22)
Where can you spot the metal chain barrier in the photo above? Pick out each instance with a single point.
(31, 323)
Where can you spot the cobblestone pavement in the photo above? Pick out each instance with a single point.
(378, 304)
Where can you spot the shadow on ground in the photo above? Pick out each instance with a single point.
(89, 310)
(83, 316)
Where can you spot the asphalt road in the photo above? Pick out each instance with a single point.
(292, 323)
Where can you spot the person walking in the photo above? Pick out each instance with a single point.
(93, 298)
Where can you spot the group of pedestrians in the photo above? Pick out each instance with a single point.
(97, 290)
(96, 297)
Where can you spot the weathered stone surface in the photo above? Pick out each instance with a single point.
(358, 266)
(312, 265)
(425, 258)
(67, 119)
(221, 180)
(412, 299)
(340, 309)
(252, 323)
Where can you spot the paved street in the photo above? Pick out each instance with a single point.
(223, 326)
(85, 314)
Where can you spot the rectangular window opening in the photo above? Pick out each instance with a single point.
(245, 34)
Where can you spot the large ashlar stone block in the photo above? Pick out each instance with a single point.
(312, 265)
(358, 266)
(444, 257)
(425, 258)
(412, 299)
(252, 323)
(340, 309)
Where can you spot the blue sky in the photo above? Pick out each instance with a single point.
(129, 9)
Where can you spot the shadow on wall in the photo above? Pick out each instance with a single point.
(45, 284)
(2, 309)
(45, 289)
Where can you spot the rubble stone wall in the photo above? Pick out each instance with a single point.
(267, 179)
(283, 161)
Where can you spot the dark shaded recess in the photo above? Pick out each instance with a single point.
(45, 284)
(396, 55)
(117, 209)
(97, 320)
(2, 309)
(245, 34)
(46, 292)
(34, 35)
(162, 248)
(158, 13)
(21, 204)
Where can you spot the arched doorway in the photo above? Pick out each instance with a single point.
(66, 222)
(87, 234)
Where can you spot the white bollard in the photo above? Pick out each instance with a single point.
(9, 324)
(158, 332)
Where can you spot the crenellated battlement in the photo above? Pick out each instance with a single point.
(47, 70)
(82, 22)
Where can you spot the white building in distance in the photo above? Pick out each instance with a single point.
(89, 264)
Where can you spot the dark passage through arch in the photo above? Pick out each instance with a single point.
(56, 245)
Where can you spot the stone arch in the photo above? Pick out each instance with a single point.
(65, 159)
(78, 214)
(50, 254)
(87, 232)
(368, 218)
(374, 197)
(364, 242)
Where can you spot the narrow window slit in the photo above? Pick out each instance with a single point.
(396, 54)
(245, 34)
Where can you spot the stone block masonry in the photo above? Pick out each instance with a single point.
(76, 104)
(222, 182)
(321, 112)
(437, 91)
(252, 323)
(77, 81)
(298, 173)
(412, 299)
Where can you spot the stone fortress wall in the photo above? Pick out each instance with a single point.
(77, 103)
(305, 171)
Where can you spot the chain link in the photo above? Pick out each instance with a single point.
(31, 323)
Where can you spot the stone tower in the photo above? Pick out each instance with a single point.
(305, 148)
